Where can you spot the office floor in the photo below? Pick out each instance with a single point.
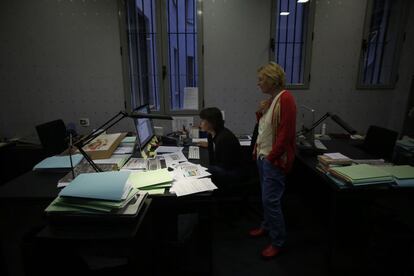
(234, 253)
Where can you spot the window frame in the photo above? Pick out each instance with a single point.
(397, 53)
(308, 44)
(162, 50)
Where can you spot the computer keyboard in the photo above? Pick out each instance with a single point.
(193, 152)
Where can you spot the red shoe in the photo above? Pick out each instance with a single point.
(270, 251)
(257, 232)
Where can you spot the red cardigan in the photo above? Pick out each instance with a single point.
(285, 140)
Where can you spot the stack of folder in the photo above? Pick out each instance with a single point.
(403, 174)
(329, 161)
(153, 182)
(362, 174)
(98, 193)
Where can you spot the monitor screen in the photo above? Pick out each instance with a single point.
(144, 128)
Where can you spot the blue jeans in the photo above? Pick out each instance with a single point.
(272, 181)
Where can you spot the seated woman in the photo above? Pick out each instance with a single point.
(223, 148)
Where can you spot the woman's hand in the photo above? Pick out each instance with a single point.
(202, 144)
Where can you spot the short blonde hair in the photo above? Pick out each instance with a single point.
(274, 74)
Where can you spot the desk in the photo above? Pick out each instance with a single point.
(346, 204)
(24, 199)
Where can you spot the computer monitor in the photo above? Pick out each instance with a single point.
(144, 127)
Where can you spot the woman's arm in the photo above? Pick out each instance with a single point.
(286, 131)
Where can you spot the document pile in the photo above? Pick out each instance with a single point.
(403, 174)
(98, 193)
(328, 161)
(406, 143)
(153, 182)
(190, 178)
(361, 174)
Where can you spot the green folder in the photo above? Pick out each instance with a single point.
(141, 180)
(400, 172)
(98, 205)
(363, 173)
(154, 187)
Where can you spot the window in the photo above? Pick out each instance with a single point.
(381, 44)
(292, 27)
(164, 45)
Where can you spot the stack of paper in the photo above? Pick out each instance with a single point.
(58, 162)
(175, 158)
(361, 174)
(184, 187)
(188, 170)
(403, 175)
(151, 180)
(406, 143)
(104, 192)
(118, 159)
(328, 161)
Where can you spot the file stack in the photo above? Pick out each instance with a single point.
(328, 161)
(153, 182)
(98, 193)
(403, 174)
(361, 174)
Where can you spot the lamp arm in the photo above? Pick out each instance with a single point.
(318, 122)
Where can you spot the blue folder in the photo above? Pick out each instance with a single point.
(58, 162)
(103, 185)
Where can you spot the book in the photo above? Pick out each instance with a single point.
(104, 145)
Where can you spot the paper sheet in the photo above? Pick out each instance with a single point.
(189, 170)
(336, 155)
(196, 140)
(173, 159)
(245, 143)
(168, 149)
(124, 150)
(190, 98)
(184, 187)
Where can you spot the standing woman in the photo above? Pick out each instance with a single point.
(274, 152)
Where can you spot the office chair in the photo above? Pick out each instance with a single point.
(380, 142)
(53, 137)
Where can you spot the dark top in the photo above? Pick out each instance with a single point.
(224, 149)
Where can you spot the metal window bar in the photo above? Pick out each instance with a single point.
(377, 21)
(385, 42)
(154, 63)
(290, 37)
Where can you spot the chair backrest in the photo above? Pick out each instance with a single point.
(380, 142)
(53, 136)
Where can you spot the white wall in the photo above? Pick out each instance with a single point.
(236, 37)
(236, 40)
(58, 59)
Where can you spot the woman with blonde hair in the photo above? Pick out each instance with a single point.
(274, 152)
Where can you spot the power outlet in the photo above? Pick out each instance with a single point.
(84, 122)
